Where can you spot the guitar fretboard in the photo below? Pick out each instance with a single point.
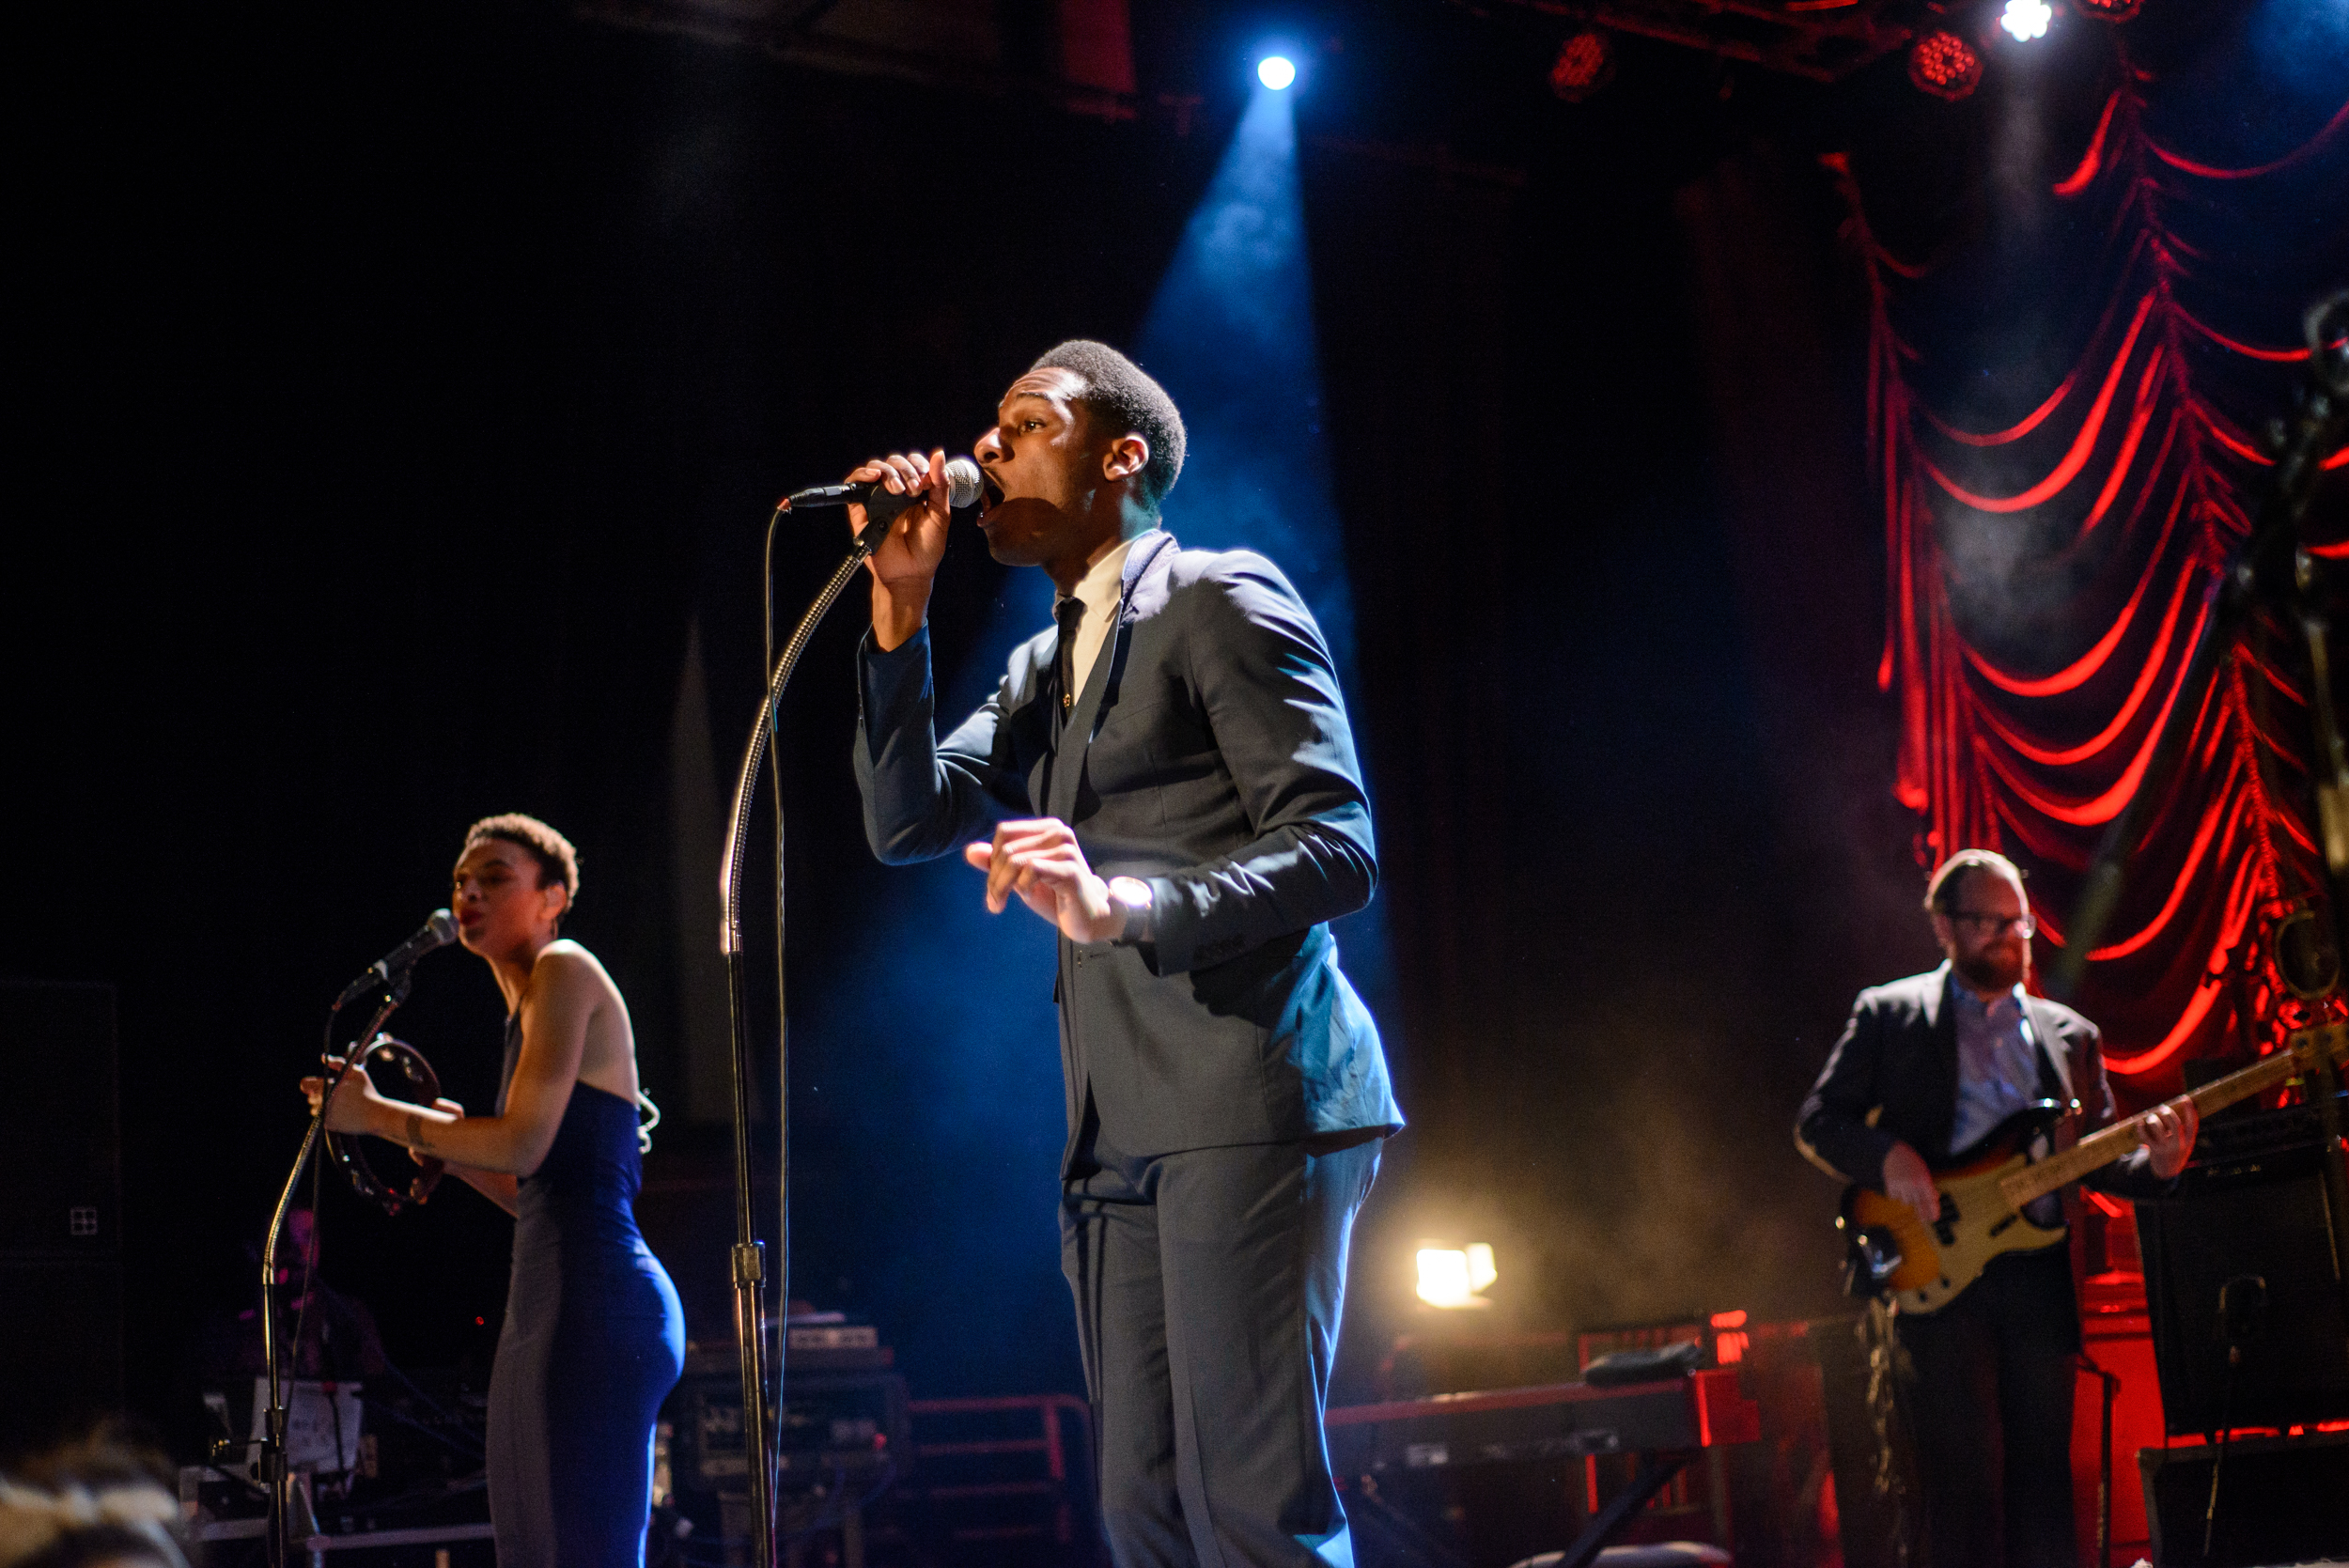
(2099, 1149)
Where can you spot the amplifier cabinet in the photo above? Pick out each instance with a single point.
(2259, 1233)
(2280, 1501)
(848, 1425)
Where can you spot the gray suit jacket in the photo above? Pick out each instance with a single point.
(1210, 755)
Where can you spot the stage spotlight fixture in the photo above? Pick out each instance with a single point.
(1276, 71)
(1944, 65)
(1452, 1276)
(1585, 63)
(2027, 18)
(2108, 10)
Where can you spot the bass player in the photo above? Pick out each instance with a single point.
(1928, 1068)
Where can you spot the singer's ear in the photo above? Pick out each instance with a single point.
(1127, 456)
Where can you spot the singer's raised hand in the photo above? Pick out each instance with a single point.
(908, 558)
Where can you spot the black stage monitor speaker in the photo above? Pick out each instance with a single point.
(60, 1211)
(2248, 1327)
(2280, 1501)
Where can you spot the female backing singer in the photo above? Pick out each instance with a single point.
(594, 1338)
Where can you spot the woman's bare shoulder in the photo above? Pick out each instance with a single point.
(565, 968)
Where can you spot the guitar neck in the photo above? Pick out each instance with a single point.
(2100, 1149)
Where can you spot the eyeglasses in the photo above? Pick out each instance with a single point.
(1989, 927)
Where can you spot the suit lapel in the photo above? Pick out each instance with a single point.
(2052, 1049)
(1942, 1053)
(1085, 721)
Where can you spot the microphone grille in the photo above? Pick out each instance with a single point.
(962, 482)
(442, 925)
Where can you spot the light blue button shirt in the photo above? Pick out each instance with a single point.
(1997, 1073)
(1997, 1062)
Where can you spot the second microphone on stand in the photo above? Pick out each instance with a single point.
(439, 931)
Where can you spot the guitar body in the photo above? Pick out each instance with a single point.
(1922, 1267)
(1985, 1188)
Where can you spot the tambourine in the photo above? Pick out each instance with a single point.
(412, 1080)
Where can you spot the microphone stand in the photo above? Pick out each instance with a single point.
(273, 1471)
(748, 1265)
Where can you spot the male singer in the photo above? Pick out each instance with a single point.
(1186, 809)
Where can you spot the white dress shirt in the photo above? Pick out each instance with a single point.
(1100, 592)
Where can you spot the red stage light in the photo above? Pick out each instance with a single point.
(2108, 10)
(1944, 65)
(1585, 63)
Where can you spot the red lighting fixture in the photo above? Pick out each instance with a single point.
(1944, 65)
(1585, 63)
(2108, 10)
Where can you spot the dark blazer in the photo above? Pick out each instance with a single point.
(1210, 755)
(1893, 1075)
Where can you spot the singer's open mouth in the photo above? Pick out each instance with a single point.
(991, 493)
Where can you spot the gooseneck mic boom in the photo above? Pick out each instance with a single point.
(439, 931)
(883, 505)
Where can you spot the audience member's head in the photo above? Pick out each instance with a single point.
(98, 1503)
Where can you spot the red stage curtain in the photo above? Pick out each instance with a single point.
(2047, 579)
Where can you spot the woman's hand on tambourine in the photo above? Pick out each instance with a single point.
(357, 1103)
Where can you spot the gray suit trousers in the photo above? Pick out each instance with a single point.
(1210, 1285)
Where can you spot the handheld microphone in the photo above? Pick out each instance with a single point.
(439, 931)
(881, 505)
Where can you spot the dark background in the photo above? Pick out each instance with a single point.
(401, 389)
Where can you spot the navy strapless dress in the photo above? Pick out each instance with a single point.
(594, 1340)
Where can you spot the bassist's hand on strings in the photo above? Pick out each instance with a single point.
(2169, 1132)
(1908, 1181)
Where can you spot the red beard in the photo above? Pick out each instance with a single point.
(1995, 968)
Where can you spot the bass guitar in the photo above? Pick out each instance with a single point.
(1922, 1267)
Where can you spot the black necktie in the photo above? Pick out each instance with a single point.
(1070, 613)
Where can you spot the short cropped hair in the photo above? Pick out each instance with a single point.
(558, 861)
(1121, 397)
(102, 1499)
(1949, 880)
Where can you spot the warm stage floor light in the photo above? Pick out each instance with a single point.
(2027, 18)
(1453, 1276)
(1275, 72)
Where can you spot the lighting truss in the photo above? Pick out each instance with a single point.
(1823, 41)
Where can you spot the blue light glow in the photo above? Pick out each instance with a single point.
(1231, 336)
(1275, 72)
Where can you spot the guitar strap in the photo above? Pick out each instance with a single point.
(2056, 1075)
(2053, 1063)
